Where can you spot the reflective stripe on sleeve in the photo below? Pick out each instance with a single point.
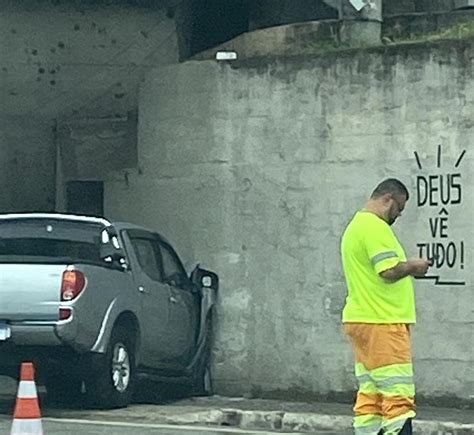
(383, 256)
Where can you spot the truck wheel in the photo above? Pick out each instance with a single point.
(112, 379)
(202, 385)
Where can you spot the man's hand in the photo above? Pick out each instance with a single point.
(419, 266)
(413, 267)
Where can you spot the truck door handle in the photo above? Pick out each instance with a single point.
(173, 300)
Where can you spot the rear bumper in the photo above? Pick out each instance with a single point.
(33, 335)
(43, 343)
(55, 333)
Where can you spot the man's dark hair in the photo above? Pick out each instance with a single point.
(390, 185)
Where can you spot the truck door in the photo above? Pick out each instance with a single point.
(154, 294)
(184, 306)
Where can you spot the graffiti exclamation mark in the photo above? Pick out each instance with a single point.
(462, 255)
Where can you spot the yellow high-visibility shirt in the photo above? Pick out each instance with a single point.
(368, 247)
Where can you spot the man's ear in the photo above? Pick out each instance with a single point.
(386, 197)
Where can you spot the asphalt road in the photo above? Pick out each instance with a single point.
(88, 427)
(57, 421)
(135, 420)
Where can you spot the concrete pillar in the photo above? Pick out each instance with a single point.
(361, 25)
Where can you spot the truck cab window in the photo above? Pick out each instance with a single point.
(148, 257)
(173, 271)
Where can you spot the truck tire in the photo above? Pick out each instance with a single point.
(112, 378)
(202, 383)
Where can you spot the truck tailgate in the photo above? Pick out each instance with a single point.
(30, 292)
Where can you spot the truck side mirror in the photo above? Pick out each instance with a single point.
(205, 278)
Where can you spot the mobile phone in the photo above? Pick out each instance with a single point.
(432, 260)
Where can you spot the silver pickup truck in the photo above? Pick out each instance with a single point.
(100, 306)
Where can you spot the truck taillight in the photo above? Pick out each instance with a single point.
(65, 313)
(73, 283)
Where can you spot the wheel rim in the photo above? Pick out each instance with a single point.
(120, 368)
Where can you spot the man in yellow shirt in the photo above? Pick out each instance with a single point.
(380, 307)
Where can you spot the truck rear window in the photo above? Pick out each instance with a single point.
(27, 240)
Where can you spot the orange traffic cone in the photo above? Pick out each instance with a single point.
(27, 416)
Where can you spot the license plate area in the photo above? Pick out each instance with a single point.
(5, 331)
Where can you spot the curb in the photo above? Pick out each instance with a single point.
(301, 422)
(306, 422)
(213, 417)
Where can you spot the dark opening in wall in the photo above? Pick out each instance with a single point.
(217, 21)
(269, 13)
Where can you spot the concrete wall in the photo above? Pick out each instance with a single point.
(27, 164)
(255, 168)
(71, 58)
(455, 24)
(112, 142)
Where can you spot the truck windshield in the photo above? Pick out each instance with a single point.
(49, 240)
